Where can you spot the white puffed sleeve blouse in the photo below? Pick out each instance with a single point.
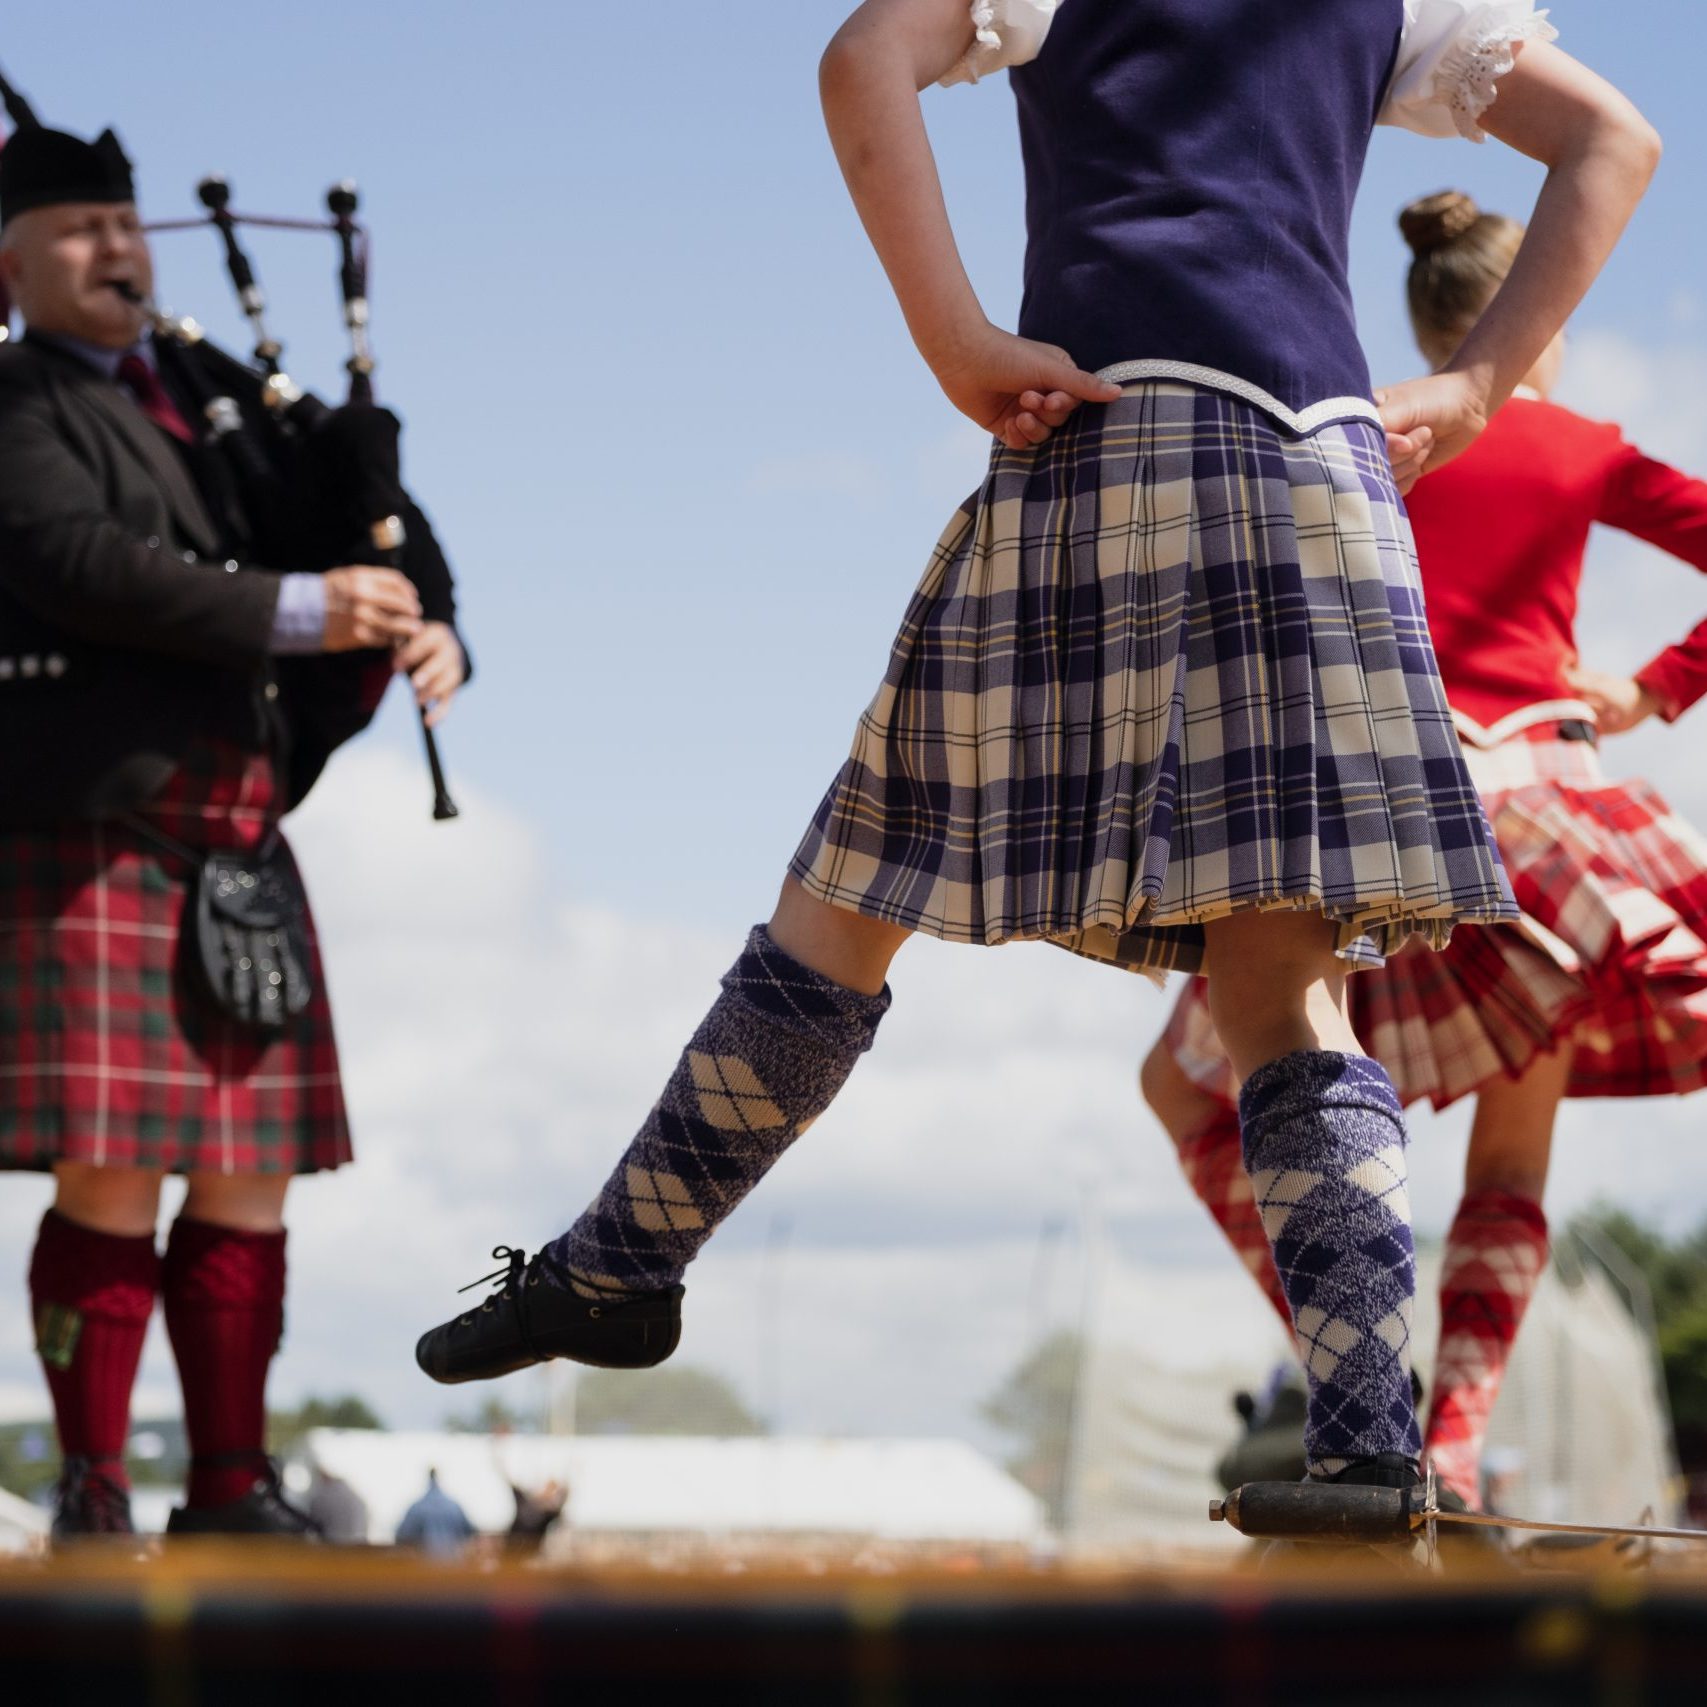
(1452, 54)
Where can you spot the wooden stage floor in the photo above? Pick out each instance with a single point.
(234, 1626)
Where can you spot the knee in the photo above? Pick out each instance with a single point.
(846, 947)
(1181, 1107)
(122, 1201)
(246, 1203)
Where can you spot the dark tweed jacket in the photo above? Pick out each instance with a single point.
(129, 623)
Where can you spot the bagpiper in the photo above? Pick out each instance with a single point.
(165, 698)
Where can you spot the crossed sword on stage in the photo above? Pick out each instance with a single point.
(1332, 1512)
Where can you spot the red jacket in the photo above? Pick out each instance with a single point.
(1501, 535)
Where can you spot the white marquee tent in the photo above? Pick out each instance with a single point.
(896, 1490)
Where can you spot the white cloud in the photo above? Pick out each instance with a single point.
(1656, 392)
(502, 1040)
(501, 1043)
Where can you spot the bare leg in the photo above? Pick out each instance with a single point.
(247, 1203)
(1275, 987)
(1183, 1108)
(1323, 1139)
(1511, 1140)
(121, 1201)
(847, 948)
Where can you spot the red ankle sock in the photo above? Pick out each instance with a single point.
(1495, 1251)
(1214, 1164)
(91, 1295)
(224, 1292)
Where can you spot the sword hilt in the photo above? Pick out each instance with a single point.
(1320, 1511)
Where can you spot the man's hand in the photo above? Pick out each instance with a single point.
(435, 666)
(1620, 703)
(1019, 390)
(1430, 421)
(366, 606)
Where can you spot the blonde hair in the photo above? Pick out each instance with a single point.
(1460, 259)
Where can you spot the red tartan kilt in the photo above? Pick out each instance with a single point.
(1611, 952)
(105, 1056)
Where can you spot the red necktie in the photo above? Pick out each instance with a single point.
(143, 383)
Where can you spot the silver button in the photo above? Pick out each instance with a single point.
(29, 666)
(188, 556)
(56, 665)
(231, 566)
(271, 690)
(8, 669)
(153, 542)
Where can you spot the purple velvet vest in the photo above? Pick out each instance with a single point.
(1190, 172)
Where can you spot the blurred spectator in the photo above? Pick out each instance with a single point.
(339, 1510)
(537, 1513)
(435, 1524)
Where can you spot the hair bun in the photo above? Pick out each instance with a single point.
(1437, 220)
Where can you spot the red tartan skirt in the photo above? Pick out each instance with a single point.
(105, 1055)
(1611, 951)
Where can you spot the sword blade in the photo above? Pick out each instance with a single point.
(1609, 1531)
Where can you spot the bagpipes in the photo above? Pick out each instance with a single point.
(320, 486)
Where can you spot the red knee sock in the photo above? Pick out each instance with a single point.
(1495, 1252)
(91, 1294)
(1214, 1165)
(224, 1292)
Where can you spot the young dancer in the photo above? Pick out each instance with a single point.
(1602, 990)
(1164, 695)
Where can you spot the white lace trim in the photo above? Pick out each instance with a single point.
(1303, 423)
(1468, 78)
(1004, 33)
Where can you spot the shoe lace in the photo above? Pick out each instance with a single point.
(510, 1277)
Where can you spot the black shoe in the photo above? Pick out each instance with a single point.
(533, 1316)
(1381, 1470)
(262, 1511)
(90, 1502)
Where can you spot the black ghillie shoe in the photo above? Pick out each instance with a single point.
(264, 1510)
(533, 1316)
(1382, 1470)
(90, 1504)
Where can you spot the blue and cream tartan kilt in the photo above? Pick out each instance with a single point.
(1168, 666)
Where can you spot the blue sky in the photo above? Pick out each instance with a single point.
(661, 406)
(659, 400)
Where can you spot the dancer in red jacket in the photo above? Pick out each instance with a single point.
(1601, 991)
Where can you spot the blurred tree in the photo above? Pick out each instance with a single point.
(1676, 1273)
(660, 1401)
(285, 1429)
(492, 1417)
(1035, 1405)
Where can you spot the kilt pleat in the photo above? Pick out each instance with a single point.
(1169, 666)
(106, 1057)
(1610, 953)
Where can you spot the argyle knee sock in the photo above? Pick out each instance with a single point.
(91, 1295)
(1495, 1251)
(766, 1061)
(1214, 1166)
(224, 1291)
(1324, 1140)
